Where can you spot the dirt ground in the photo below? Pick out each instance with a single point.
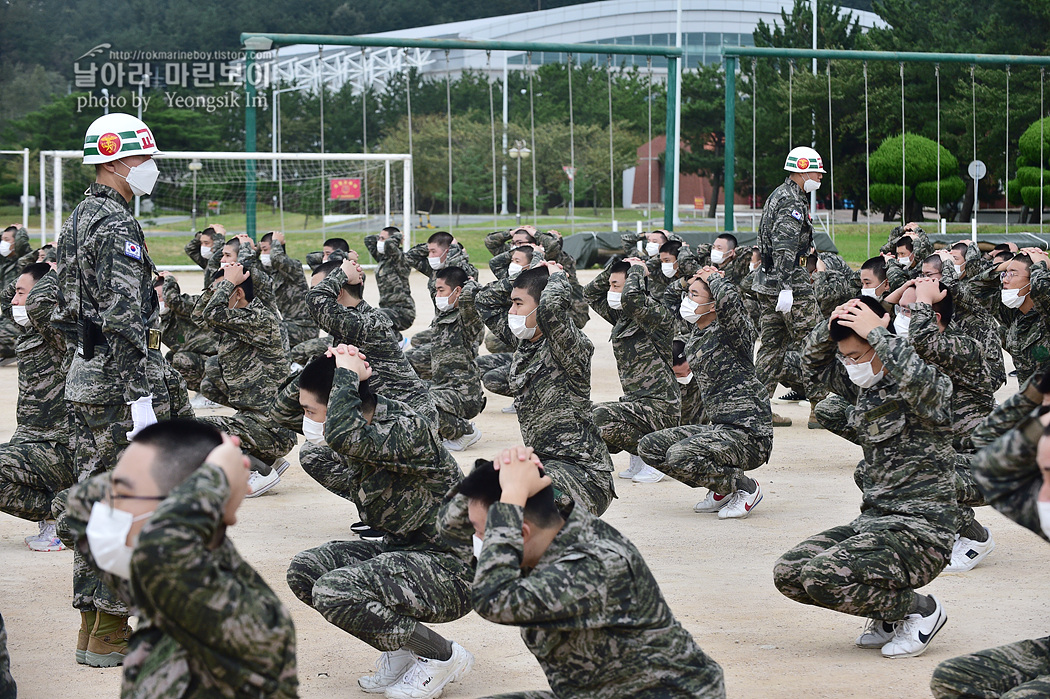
(716, 575)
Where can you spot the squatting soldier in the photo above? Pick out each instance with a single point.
(641, 339)
(782, 283)
(36, 463)
(383, 592)
(116, 381)
(395, 293)
(190, 344)
(205, 245)
(551, 379)
(456, 386)
(209, 625)
(903, 537)
(290, 288)
(14, 245)
(611, 619)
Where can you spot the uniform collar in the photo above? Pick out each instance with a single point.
(97, 189)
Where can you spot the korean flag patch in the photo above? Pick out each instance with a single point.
(796, 215)
(133, 250)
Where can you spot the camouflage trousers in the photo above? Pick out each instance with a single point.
(574, 484)
(401, 312)
(260, 437)
(299, 331)
(623, 423)
(419, 356)
(1016, 671)
(779, 333)
(31, 474)
(423, 337)
(9, 334)
(868, 574)
(378, 595)
(191, 366)
(524, 695)
(495, 372)
(712, 456)
(497, 346)
(309, 350)
(454, 411)
(327, 468)
(7, 682)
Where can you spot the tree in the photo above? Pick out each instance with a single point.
(703, 127)
(920, 189)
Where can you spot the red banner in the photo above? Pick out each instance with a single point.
(344, 188)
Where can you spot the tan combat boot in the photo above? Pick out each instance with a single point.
(781, 421)
(814, 423)
(108, 642)
(87, 623)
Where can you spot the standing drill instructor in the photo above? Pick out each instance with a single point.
(115, 386)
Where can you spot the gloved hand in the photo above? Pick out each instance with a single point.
(784, 301)
(142, 415)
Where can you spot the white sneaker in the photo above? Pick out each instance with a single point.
(259, 484)
(712, 503)
(648, 474)
(199, 402)
(42, 524)
(967, 553)
(465, 441)
(511, 409)
(390, 668)
(46, 540)
(634, 465)
(741, 504)
(404, 343)
(427, 678)
(913, 633)
(876, 634)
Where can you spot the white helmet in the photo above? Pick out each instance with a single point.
(116, 136)
(804, 159)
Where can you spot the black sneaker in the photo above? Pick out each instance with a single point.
(792, 397)
(371, 534)
(358, 527)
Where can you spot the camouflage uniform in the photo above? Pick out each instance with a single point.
(8, 690)
(642, 342)
(36, 463)
(495, 372)
(193, 251)
(395, 291)
(908, 519)
(290, 288)
(591, 612)
(973, 315)
(105, 279)
(10, 269)
(369, 330)
(396, 465)
(897, 276)
(190, 344)
(739, 435)
(456, 386)
(785, 237)
(209, 625)
(551, 380)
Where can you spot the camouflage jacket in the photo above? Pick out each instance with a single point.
(693, 403)
(105, 272)
(179, 331)
(453, 354)
(42, 362)
(634, 244)
(399, 470)
(290, 286)
(734, 270)
(590, 611)
(457, 257)
(392, 274)
(836, 284)
(193, 251)
(785, 235)
(12, 265)
(907, 475)
(973, 314)
(498, 242)
(896, 275)
(1027, 335)
(642, 338)
(551, 376)
(251, 355)
(370, 330)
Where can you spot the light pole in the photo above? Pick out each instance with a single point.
(518, 152)
(195, 166)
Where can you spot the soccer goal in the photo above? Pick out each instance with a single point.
(294, 192)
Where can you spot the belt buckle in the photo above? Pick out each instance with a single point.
(154, 339)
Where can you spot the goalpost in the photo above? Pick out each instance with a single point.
(24, 153)
(293, 192)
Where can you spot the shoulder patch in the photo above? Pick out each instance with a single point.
(796, 215)
(133, 250)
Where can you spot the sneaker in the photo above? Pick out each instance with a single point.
(648, 474)
(791, 397)
(781, 421)
(634, 465)
(259, 484)
(404, 343)
(358, 527)
(281, 465)
(46, 540)
(741, 504)
(967, 553)
(199, 402)
(814, 423)
(511, 409)
(876, 634)
(913, 633)
(390, 668)
(42, 524)
(372, 534)
(712, 503)
(464, 441)
(427, 678)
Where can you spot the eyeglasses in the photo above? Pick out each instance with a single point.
(1012, 274)
(111, 496)
(850, 361)
(902, 311)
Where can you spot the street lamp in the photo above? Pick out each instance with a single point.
(518, 152)
(195, 166)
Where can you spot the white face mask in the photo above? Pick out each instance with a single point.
(5, 248)
(141, 178)
(514, 269)
(717, 256)
(435, 262)
(21, 315)
(478, 543)
(107, 533)
(688, 310)
(265, 258)
(163, 307)
(687, 379)
(863, 375)
(958, 270)
(904, 261)
(810, 186)
(1012, 297)
(314, 431)
(380, 246)
(652, 249)
(614, 299)
(206, 252)
(668, 269)
(869, 292)
(1044, 516)
(753, 266)
(901, 323)
(517, 326)
(442, 303)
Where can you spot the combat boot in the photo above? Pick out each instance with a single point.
(108, 643)
(814, 423)
(87, 623)
(780, 421)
